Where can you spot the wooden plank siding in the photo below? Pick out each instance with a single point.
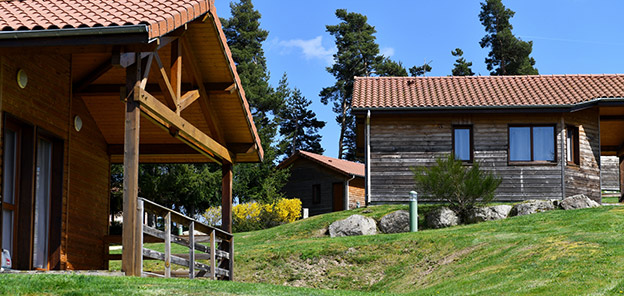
(47, 104)
(610, 172)
(401, 142)
(356, 193)
(585, 178)
(304, 174)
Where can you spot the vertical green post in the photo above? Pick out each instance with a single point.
(413, 210)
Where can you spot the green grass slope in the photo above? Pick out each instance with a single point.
(556, 253)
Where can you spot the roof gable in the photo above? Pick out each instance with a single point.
(484, 91)
(339, 165)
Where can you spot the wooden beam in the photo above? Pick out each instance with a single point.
(125, 59)
(187, 132)
(131, 239)
(93, 76)
(241, 147)
(226, 197)
(164, 83)
(611, 117)
(210, 114)
(187, 99)
(176, 68)
(160, 149)
(113, 89)
(168, 245)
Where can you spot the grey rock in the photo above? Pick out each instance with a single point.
(441, 217)
(579, 201)
(354, 225)
(488, 213)
(531, 207)
(395, 222)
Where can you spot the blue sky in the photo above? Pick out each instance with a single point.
(569, 37)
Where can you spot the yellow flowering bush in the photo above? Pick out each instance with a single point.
(254, 216)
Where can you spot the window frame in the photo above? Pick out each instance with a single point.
(316, 194)
(531, 143)
(470, 129)
(575, 143)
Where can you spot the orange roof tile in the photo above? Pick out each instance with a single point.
(484, 91)
(342, 166)
(160, 16)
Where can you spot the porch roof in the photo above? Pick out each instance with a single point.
(101, 37)
(484, 92)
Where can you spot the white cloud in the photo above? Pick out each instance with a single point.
(387, 51)
(311, 49)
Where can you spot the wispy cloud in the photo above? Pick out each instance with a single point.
(387, 51)
(311, 49)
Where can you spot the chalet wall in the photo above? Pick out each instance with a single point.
(303, 175)
(88, 201)
(46, 103)
(610, 172)
(399, 142)
(585, 178)
(356, 193)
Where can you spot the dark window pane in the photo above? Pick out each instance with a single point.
(520, 143)
(462, 143)
(544, 143)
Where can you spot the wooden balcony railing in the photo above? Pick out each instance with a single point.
(215, 247)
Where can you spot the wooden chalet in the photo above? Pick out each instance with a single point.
(84, 84)
(324, 184)
(543, 135)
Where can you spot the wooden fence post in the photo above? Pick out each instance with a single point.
(168, 245)
(231, 261)
(139, 231)
(192, 250)
(213, 262)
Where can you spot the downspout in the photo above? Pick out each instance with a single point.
(367, 187)
(346, 192)
(563, 158)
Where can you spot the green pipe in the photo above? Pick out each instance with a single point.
(413, 211)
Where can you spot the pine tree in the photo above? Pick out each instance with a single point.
(462, 68)
(261, 181)
(299, 125)
(420, 70)
(388, 67)
(357, 55)
(508, 54)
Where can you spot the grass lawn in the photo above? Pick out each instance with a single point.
(611, 199)
(553, 253)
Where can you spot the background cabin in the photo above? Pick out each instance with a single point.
(324, 184)
(82, 86)
(543, 135)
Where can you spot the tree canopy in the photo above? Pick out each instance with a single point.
(462, 67)
(508, 54)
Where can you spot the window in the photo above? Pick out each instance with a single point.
(532, 143)
(572, 144)
(316, 193)
(462, 142)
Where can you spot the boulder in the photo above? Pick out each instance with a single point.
(488, 213)
(531, 207)
(579, 201)
(395, 222)
(354, 225)
(441, 217)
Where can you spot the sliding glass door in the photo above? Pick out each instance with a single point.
(43, 175)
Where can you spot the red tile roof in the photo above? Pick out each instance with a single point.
(484, 91)
(161, 16)
(342, 166)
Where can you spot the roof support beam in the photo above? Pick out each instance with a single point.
(93, 76)
(164, 83)
(185, 131)
(204, 100)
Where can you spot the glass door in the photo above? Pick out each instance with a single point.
(9, 188)
(43, 176)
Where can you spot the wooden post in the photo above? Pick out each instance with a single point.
(168, 245)
(226, 197)
(192, 250)
(213, 262)
(132, 253)
(231, 261)
(139, 230)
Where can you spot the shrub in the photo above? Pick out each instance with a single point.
(254, 216)
(463, 187)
